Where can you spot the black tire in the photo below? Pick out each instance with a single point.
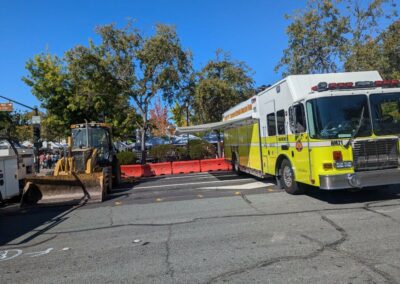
(288, 180)
(235, 164)
(116, 172)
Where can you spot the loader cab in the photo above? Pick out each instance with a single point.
(87, 137)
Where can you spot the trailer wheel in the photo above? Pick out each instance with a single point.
(287, 179)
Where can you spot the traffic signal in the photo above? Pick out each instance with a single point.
(36, 133)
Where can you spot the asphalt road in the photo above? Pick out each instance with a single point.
(207, 228)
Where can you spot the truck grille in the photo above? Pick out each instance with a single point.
(375, 154)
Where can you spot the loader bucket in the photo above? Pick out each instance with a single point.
(66, 189)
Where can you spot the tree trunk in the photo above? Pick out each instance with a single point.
(143, 146)
(143, 139)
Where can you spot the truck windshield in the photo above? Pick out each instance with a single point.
(385, 109)
(339, 117)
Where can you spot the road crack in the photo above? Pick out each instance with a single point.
(170, 270)
(333, 246)
(275, 260)
(249, 203)
(212, 218)
(368, 208)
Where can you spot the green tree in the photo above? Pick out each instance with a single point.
(329, 36)
(222, 84)
(7, 126)
(145, 66)
(316, 39)
(78, 88)
(183, 110)
(391, 50)
(49, 82)
(365, 46)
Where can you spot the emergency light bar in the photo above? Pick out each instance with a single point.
(324, 86)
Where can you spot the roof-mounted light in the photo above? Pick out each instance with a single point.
(364, 84)
(323, 86)
(387, 83)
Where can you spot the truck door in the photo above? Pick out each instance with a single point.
(10, 177)
(270, 143)
(300, 140)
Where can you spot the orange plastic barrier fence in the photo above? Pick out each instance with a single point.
(157, 169)
(132, 170)
(186, 167)
(168, 168)
(214, 165)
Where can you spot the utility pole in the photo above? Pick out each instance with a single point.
(36, 130)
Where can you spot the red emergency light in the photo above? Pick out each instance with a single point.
(323, 86)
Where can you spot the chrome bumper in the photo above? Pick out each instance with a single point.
(360, 179)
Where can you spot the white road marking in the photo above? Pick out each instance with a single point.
(252, 185)
(39, 253)
(189, 183)
(9, 254)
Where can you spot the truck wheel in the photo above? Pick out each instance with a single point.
(288, 179)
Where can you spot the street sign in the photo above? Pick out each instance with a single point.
(6, 107)
(35, 119)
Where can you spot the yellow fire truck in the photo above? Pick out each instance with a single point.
(332, 131)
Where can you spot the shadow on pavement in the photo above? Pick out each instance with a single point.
(16, 222)
(219, 175)
(372, 194)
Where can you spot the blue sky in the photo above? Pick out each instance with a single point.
(251, 30)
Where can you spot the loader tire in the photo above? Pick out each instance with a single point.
(116, 170)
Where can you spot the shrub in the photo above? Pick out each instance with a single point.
(181, 153)
(162, 153)
(200, 149)
(126, 158)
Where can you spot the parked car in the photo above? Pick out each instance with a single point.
(183, 139)
(212, 137)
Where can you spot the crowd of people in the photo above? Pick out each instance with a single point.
(48, 160)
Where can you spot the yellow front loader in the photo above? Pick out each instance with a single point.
(85, 174)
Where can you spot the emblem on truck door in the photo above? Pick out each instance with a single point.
(299, 146)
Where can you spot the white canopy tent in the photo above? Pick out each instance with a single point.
(222, 125)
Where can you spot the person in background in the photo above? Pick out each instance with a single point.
(41, 160)
(55, 159)
(48, 159)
